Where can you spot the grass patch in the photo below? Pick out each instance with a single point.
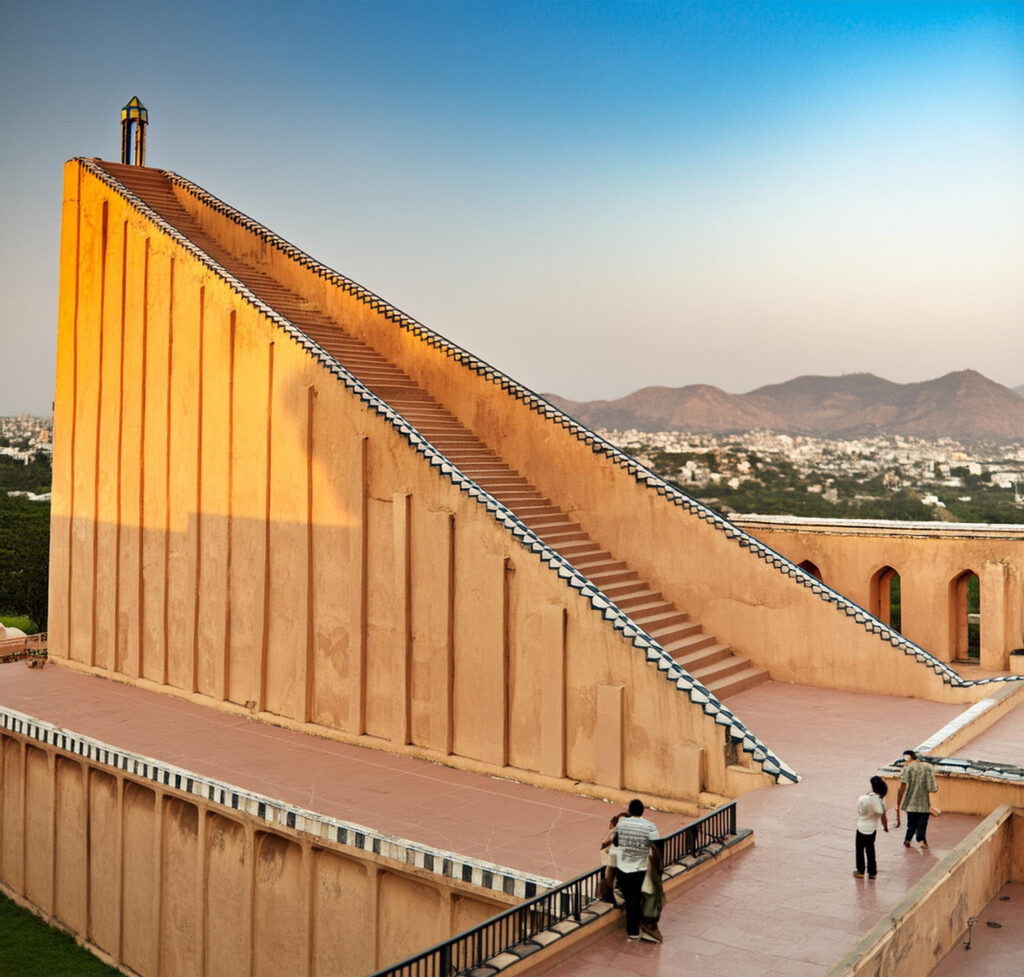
(31, 948)
(20, 621)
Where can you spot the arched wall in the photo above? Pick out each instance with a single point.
(929, 557)
(230, 522)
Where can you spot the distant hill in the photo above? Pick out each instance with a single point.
(1019, 389)
(963, 405)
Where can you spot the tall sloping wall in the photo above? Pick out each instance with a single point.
(748, 595)
(236, 518)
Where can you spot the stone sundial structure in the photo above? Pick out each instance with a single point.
(278, 497)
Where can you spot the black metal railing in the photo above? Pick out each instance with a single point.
(570, 900)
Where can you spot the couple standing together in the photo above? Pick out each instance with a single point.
(917, 784)
(636, 863)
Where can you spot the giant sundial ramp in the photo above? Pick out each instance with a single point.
(277, 494)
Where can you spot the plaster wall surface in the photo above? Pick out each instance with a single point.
(162, 883)
(266, 541)
(779, 622)
(929, 558)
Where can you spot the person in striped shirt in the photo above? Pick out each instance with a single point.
(632, 849)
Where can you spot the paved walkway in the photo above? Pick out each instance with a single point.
(546, 832)
(790, 905)
(1002, 742)
(996, 951)
(787, 906)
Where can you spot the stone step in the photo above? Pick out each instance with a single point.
(671, 638)
(721, 668)
(579, 551)
(639, 599)
(722, 672)
(658, 619)
(701, 652)
(563, 534)
(749, 678)
(497, 485)
(600, 567)
(613, 576)
(615, 591)
(541, 507)
(551, 519)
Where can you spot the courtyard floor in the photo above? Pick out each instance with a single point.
(787, 906)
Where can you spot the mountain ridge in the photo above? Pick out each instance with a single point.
(964, 405)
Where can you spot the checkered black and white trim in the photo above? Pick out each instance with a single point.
(220, 794)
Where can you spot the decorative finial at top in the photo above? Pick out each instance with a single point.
(134, 114)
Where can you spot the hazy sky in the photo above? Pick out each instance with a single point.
(592, 196)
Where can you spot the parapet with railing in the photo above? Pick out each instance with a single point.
(518, 932)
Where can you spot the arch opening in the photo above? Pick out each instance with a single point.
(811, 568)
(965, 613)
(885, 598)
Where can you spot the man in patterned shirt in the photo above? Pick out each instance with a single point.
(633, 837)
(917, 784)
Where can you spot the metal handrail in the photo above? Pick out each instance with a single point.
(521, 923)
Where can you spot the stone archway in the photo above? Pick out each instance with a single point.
(886, 602)
(965, 616)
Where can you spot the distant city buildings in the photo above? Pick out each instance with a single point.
(25, 435)
(26, 438)
(710, 460)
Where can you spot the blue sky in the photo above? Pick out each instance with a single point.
(594, 197)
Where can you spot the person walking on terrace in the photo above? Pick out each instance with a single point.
(632, 849)
(917, 784)
(870, 813)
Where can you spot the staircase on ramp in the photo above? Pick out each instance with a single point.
(705, 658)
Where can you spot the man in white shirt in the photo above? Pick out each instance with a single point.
(633, 837)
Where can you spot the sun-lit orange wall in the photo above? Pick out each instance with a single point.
(231, 523)
(166, 885)
(744, 601)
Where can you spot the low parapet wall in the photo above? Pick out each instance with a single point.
(161, 871)
(968, 786)
(974, 721)
(915, 936)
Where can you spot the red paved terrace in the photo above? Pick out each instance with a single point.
(278, 499)
(787, 906)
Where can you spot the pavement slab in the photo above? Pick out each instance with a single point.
(790, 906)
(787, 906)
(1002, 742)
(544, 832)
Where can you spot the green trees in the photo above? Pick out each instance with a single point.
(36, 476)
(24, 540)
